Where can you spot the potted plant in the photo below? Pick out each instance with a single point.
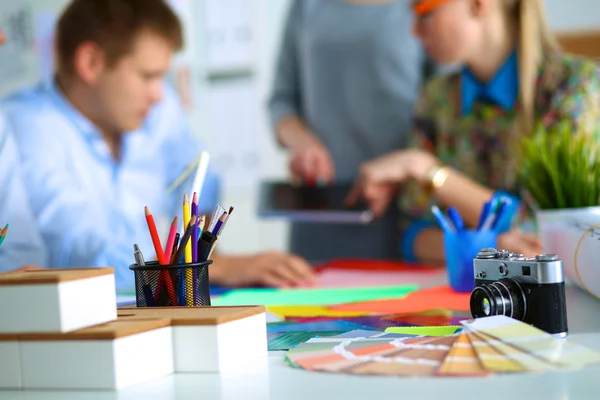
(561, 173)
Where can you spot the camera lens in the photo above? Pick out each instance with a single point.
(503, 297)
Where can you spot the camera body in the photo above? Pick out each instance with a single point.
(529, 289)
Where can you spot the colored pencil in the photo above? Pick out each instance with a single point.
(189, 275)
(171, 240)
(174, 249)
(185, 239)
(195, 231)
(226, 221)
(160, 255)
(3, 233)
(220, 222)
(186, 221)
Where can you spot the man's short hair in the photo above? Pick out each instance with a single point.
(114, 26)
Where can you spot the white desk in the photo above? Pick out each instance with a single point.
(273, 379)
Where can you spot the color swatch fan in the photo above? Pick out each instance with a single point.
(487, 345)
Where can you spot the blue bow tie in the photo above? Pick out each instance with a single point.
(502, 90)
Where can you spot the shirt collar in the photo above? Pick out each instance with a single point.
(502, 90)
(82, 123)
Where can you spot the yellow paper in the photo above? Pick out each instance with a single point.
(311, 311)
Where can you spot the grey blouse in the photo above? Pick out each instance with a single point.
(352, 72)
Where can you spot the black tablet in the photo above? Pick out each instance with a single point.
(310, 203)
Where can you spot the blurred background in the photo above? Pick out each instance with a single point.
(224, 77)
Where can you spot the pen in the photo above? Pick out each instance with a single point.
(146, 289)
(206, 245)
(457, 221)
(441, 219)
(491, 217)
(484, 214)
(500, 213)
(137, 254)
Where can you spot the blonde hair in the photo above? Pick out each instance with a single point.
(535, 43)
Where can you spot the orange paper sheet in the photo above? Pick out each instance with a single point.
(421, 300)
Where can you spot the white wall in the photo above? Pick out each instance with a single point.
(568, 15)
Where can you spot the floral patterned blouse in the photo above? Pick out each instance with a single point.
(479, 144)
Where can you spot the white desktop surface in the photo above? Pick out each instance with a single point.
(273, 379)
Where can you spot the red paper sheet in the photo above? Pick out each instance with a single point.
(421, 300)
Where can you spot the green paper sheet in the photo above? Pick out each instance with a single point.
(287, 297)
(424, 330)
(290, 340)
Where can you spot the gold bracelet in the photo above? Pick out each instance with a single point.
(437, 177)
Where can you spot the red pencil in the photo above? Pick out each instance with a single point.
(160, 255)
(171, 239)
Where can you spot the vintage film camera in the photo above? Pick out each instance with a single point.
(531, 290)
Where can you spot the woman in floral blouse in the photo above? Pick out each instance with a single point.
(467, 125)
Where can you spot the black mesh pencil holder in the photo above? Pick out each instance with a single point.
(172, 285)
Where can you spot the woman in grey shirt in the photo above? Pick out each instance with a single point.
(346, 81)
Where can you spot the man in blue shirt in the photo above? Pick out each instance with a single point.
(105, 139)
(23, 244)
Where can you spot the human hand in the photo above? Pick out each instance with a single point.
(378, 180)
(272, 268)
(520, 242)
(309, 160)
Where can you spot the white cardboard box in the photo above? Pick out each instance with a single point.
(211, 339)
(111, 356)
(56, 300)
(10, 362)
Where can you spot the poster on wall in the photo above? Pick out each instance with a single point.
(16, 55)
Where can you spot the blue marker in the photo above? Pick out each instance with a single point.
(457, 221)
(441, 219)
(484, 214)
(504, 203)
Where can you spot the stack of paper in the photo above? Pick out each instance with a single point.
(488, 345)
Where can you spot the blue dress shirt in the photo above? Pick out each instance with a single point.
(23, 244)
(502, 90)
(89, 207)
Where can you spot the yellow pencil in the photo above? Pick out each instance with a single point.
(189, 275)
(186, 221)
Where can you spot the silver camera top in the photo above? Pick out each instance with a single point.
(492, 264)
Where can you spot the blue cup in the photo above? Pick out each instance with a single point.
(460, 249)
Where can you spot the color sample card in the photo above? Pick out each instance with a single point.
(526, 360)
(537, 343)
(492, 359)
(372, 321)
(335, 325)
(289, 340)
(462, 360)
(424, 330)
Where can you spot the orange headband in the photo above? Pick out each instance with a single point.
(425, 6)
